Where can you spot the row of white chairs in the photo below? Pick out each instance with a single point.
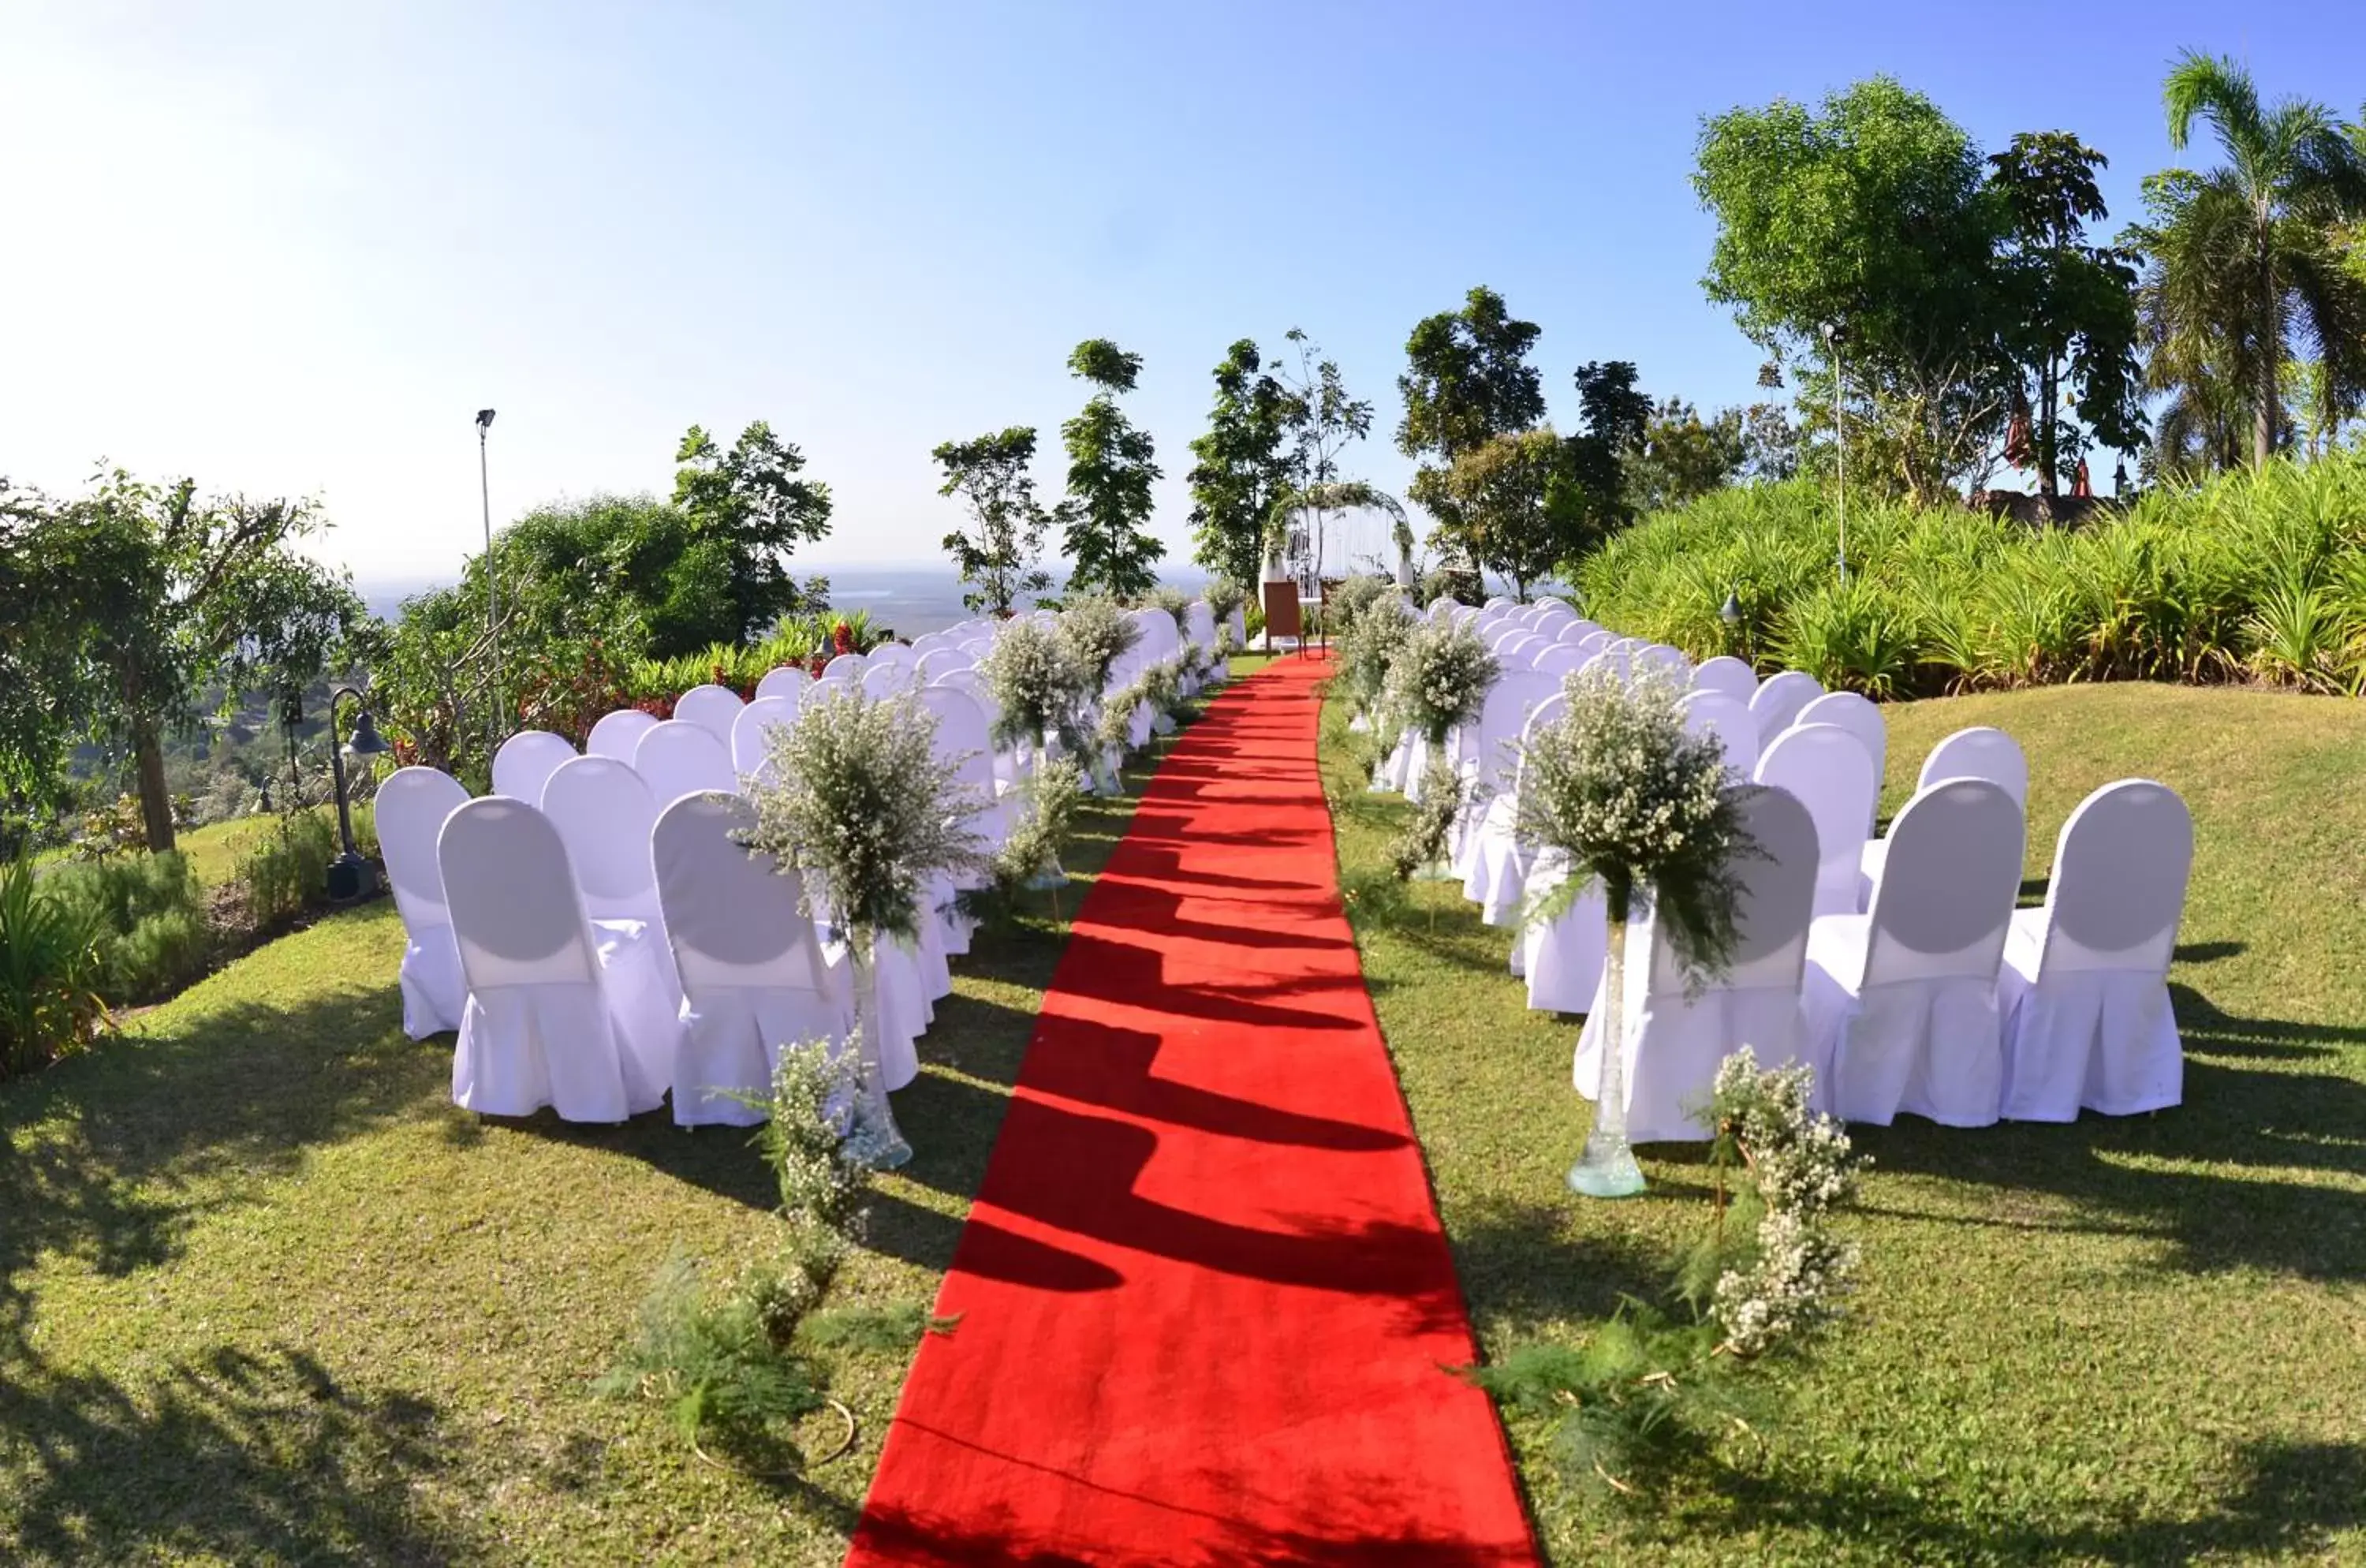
(599, 940)
(2023, 1014)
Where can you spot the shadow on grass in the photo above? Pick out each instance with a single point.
(2214, 1179)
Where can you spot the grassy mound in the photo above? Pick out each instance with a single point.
(2250, 577)
(2119, 1340)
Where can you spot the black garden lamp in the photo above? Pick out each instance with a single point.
(350, 876)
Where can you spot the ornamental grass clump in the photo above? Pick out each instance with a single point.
(862, 807)
(1638, 807)
(1654, 1392)
(1036, 685)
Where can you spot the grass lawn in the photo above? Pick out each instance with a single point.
(267, 1296)
(2138, 1340)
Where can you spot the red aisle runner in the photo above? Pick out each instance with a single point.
(1206, 1307)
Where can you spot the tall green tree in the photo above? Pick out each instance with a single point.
(177, 596)
(1110, 470)
(1510, 495)
(1325, 418)
(2246, 264)
(749, 512)
(44, 698)
(1000, 554)
(1467, 380)
(1245, 462)
(1870, 214)
(1681, 456)
(2071, 327)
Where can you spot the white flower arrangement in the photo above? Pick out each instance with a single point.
(1438, 680)
(1225, 596)
(1096, 634)
(1368, 644)
(1802, 1166)
(1036, 686)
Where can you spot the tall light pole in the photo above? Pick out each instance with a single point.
(492, 590)
(1834, 336)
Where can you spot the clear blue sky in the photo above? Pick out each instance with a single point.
(293, 247)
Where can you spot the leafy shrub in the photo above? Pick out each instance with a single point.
(288, 871)
(2257, 574)
(1224, 595)
(149, 916)
(50, 967)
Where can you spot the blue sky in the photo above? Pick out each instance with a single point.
(293, 247)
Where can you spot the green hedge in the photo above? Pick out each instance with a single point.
(2250, 577)
(148, 912)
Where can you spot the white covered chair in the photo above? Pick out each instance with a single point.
(1858, 715)
(1728, 676)
(754, 979)
(1714, 713)
(1778, 699)
(1826, 767)
(525, 760)
(604, 813)
(2085, 984)
(617, 734)
(1498, 872)
(1903, 1000)
(750, 745)
(889, 678)
(412, 806)
(788, 681)
(560, 1011)
(848, 666)
(1486, 752)
(711, 707)
(678, 757)
(1671, 1041)
(1979, 752)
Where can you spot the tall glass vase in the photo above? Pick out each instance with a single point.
(1605, 1167)
(873, 1140)
(1435, 775)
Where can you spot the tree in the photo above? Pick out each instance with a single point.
(1001, 556)
(1589, 493)
(2246, 264)
(1324, 420)
(1467, 380)
(2072, 329)
(177, 596)
(1109, 476)
(1681, 457)
(1871, 215)
(43, 697)
(1245, 463)
(748, 512)
(1501, 489)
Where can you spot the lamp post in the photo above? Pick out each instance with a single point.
(1834, 336)
(493, 716)
(349, 875)
(1730, 613)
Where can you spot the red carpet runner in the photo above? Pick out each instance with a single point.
(1205, 1303)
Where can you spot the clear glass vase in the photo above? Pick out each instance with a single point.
(873, 1140)
(1605, 1167)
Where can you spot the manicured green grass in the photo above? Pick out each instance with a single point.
(2119, 1340)
(267, 1296)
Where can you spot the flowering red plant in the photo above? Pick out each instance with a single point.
(842, 638)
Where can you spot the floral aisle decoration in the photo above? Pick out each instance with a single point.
(1226, 597)
(1174, 600)
(1096, 634)
(1641, 809)
(861, 804)
(1036, 686)
(1654, 1389)
(1438, 681)
(1028, 858)
(1366, 646)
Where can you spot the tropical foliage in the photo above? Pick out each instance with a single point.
(1110, 470)
(2251, 576)
(1000, 554)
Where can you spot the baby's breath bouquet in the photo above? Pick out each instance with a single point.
(1438, 680)
(858, 802)
(1638, 806)
(1174, 600)
(1366, 646)
(1096, 634)
(1036, 686)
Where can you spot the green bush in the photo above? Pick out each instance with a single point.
(2252, 576)
(49, 971)
(288, 871)
(148, 914)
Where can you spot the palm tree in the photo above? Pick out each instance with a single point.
(2246, 261)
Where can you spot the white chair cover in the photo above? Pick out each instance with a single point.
(1497, 879)
(1487, 752)
(1671, 1043)
(526, 761)
(1856, 713)
(1979, 753)
(847, 666)
(753, 975)
(617, 734)
(1562, 960)
(1828, 769)
(1728, 676)
(788, 681)
(1559, 659)
(1659, 656)
(560, 1012)
(1778, 699)
(941, 662)
(1902, 1001)
(678, 757)
(412, 806)
(751, 744)
(1713, 713)
(2085, 984)
(888, 678)
(604, 813)
(711, 707)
